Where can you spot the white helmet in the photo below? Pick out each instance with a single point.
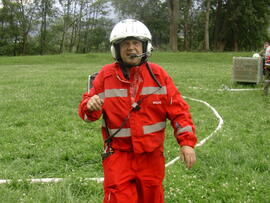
(130, 28)
(256, 55)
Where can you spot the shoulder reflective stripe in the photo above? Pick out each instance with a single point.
(101, 95)
(154, 128)
(124, 132)
(188, 128)
(151, 90)
(116, 93)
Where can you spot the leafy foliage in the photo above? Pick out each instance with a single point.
(41, 27)
(58, 26)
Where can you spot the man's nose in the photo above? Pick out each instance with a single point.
(130, 46)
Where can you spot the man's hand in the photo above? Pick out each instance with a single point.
(95, 103)
(188, 155)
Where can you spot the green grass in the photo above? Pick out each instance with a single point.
(41, 135)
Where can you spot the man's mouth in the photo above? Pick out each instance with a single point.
(131, 56)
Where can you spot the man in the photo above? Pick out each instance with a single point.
(266, 68)
(262, 52)
(135, 98)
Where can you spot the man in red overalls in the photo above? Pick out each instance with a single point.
(266, 68)
(136, 98)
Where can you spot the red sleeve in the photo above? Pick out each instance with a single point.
(84, 113)
(97, 89)
(180, 117)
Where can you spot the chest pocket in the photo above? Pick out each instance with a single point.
(155, 97)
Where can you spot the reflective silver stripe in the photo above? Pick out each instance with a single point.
(116, 93)
(150, 90)
(101, 95)
(154, 128)
(188, 128)
(124, 132)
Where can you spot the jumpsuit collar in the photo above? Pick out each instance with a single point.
(125, 73)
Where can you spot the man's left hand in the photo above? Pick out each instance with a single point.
(188, 155)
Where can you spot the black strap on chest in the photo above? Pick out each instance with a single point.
(153, 75)
(136, 107)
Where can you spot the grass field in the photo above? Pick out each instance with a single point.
(41, 135)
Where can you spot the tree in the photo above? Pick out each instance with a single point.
(49, 26)
(186, 8)
(241, 23)
(90, 19)
(45, 12)
(13, 29)
(66, 4)
(206, 30)
(173, 6)
(154, 14)
(26, 17)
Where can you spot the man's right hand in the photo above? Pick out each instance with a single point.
(95, 103)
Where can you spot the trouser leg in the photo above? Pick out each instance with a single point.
(150, 177)
(150, 192)
(266, 81)
(134, 178)
(119, 184)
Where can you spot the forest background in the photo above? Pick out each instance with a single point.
(39, 27)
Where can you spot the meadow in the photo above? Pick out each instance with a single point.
(41, 135)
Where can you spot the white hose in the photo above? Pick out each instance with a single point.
(208, 137)
(100, 180)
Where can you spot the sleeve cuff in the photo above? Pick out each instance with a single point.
(187, 139)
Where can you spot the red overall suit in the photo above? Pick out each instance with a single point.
(135, 171)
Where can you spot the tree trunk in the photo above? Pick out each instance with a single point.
(74, 24)
(63, 39)
(206, 30)
(218, 23)
(235, 43)
(43, 27)
(72, 37)
(25, 37)
(173, 6)
(80, 27)
(15, 45)
(66, 18)
(26, 33)
(221, 45)
(187, 25)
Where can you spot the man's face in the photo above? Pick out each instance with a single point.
(266, 44)
(128, 47)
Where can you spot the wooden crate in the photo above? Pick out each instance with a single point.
(247, 69)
